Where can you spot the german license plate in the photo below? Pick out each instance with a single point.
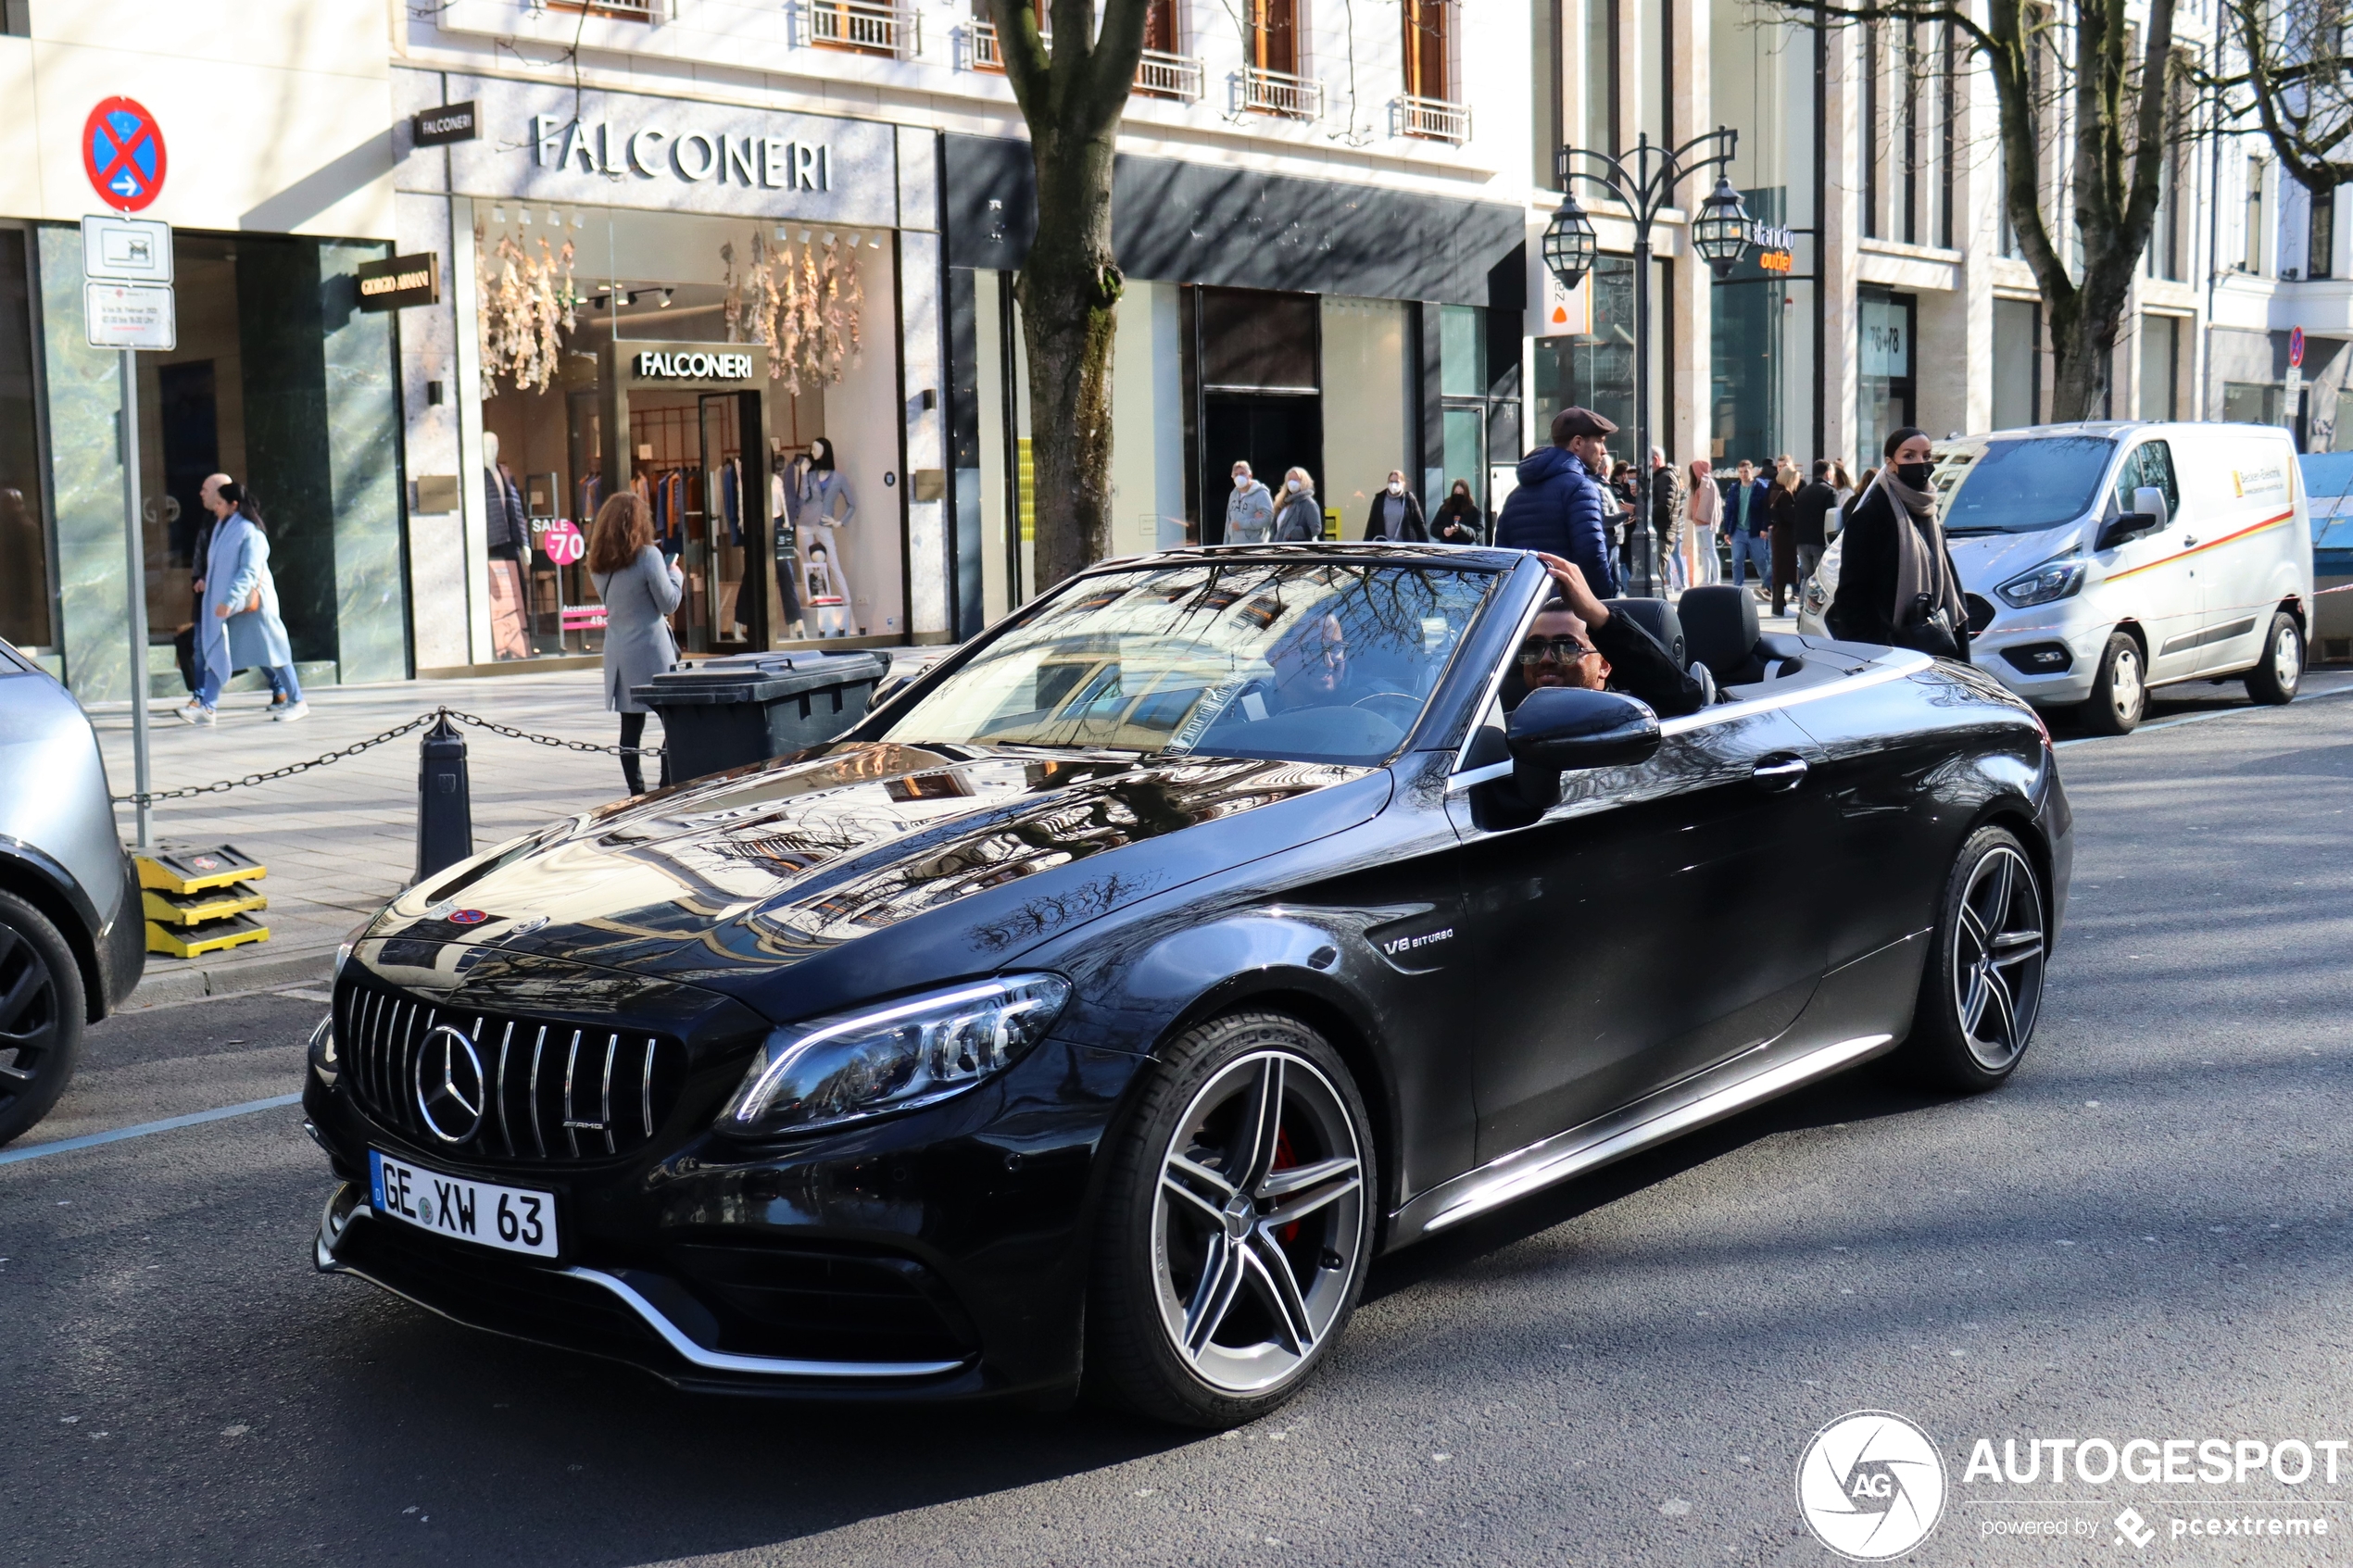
(512, 1219)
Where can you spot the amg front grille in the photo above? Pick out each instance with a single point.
(549, 1090)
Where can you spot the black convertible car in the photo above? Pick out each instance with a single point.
(1100, 1006)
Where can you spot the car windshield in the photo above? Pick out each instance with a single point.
(2025, 486)
(1320, 661)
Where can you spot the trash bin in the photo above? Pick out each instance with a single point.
(721, 713)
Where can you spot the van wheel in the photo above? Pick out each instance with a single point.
(2120, 691)
(2279, 672)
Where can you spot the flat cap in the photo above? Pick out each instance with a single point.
(1581, 422)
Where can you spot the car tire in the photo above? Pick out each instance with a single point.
(1982, 993)
(1231, 1246)
(2278, 674)
(41, 1014)
(2119, 691)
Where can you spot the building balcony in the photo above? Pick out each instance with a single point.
(625, 10)
(1158, 75)
(858, 27)
(1433, 119)
(1278, 93)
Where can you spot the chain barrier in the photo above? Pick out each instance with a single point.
(418, 722)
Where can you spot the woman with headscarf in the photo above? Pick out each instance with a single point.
(238, 626)
(1896, 581)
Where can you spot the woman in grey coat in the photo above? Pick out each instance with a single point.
(640, 590)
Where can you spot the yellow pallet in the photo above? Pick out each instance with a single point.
(193, 870)
(234, 931)
(194, 909)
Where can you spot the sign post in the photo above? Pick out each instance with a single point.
(127, 305)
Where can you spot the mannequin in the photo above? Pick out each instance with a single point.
(780, 518)
(507, 535)
(823, 487)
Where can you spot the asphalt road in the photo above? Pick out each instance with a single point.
(2148, 1232)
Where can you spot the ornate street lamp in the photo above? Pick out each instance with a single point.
(1569, 242)
(1721, 233)
(1644, 183)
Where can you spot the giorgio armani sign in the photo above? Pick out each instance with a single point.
(544, 141)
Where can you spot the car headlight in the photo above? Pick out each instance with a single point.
(323, 1059)
(2052, 580)
(344, 949)
(918, 1051)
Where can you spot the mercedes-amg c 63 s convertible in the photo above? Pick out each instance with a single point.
(1095, 1011)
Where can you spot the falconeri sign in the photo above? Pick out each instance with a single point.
(656, 365)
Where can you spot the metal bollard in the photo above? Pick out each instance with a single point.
(445, 806)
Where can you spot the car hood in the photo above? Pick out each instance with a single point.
(797, 886)
(1987, 560)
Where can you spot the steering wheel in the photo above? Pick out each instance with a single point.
(1400, 709)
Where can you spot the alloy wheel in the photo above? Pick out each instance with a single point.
(1998, 946)
(28, 1013)
(2126, 693)
(2288, 658)
(1258, 1222)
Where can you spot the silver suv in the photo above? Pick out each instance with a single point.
(72, 931)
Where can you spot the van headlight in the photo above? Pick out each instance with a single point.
(2052, 580)
(913, 1052)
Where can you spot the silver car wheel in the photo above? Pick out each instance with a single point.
(1258, 1222)
(2125, 691)
(1998, 946)
(2288, 658)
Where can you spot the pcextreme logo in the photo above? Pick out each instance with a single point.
(1871, 1486)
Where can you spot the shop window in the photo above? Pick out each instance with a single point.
(2250, 403)
(25, 618)
(1886, 386)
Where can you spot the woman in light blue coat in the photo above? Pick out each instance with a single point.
(640, 589)
(238, 626)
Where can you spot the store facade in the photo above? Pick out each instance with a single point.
(733, 310)
(1283, 321)
(277, 378)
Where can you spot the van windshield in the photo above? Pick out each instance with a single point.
(2025, 486)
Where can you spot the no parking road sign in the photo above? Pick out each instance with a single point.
(122, 153)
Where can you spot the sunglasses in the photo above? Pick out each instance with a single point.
(1561, 650)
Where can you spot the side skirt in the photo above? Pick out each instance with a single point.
(1879, 987)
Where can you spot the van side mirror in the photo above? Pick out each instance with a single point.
(2126, 526)
(1558, 728)
(2149, 501)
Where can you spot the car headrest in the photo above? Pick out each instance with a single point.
(1720, 627)
(1658, 617)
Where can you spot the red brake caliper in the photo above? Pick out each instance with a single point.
(1286, 1157)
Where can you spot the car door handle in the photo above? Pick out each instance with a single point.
(2189, 538)
(1779, 773)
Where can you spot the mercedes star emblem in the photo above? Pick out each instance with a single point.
(449, 1086)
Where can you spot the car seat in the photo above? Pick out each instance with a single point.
(1658, 617)
(1720, 632)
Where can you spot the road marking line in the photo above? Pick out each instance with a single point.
(92, 1140)
(2201, 718)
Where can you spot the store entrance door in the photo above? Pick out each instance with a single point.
(728, 618)
(1270, 432)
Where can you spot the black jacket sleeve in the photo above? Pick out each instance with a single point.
(1860, 610)
(1639, 666)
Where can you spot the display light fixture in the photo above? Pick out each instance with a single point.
(1569, 242)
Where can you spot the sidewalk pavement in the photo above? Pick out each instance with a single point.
(341, 840)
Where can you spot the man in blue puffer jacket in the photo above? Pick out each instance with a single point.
(1557, 508)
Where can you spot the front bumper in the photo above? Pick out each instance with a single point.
(937, 1256)
(2028, 633)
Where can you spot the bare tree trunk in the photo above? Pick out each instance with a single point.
(1072, 93)
(1069, 292)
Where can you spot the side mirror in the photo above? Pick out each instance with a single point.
(2149, 501)
(2127, 526)
(1555, 729)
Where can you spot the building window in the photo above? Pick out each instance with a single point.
(2017, 363)
(1428, 45)
(1601, 75)
(1874, 126)
(1948, 132)
(2251, 259)
(2160, 363)
(2320, 248)
(15, 19)
(1274, 35)
(1886, 386)
(1551, 114)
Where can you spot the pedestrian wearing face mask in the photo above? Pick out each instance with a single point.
(1250, 510)
(1397, 513)
(1895, 581)
(1300, 518)
(1459, 519)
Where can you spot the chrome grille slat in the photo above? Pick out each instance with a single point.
(383, 1035)
(612, 1049)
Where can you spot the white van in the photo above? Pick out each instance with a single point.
(2106, 557)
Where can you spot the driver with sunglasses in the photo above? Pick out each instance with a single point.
(1575, 641)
